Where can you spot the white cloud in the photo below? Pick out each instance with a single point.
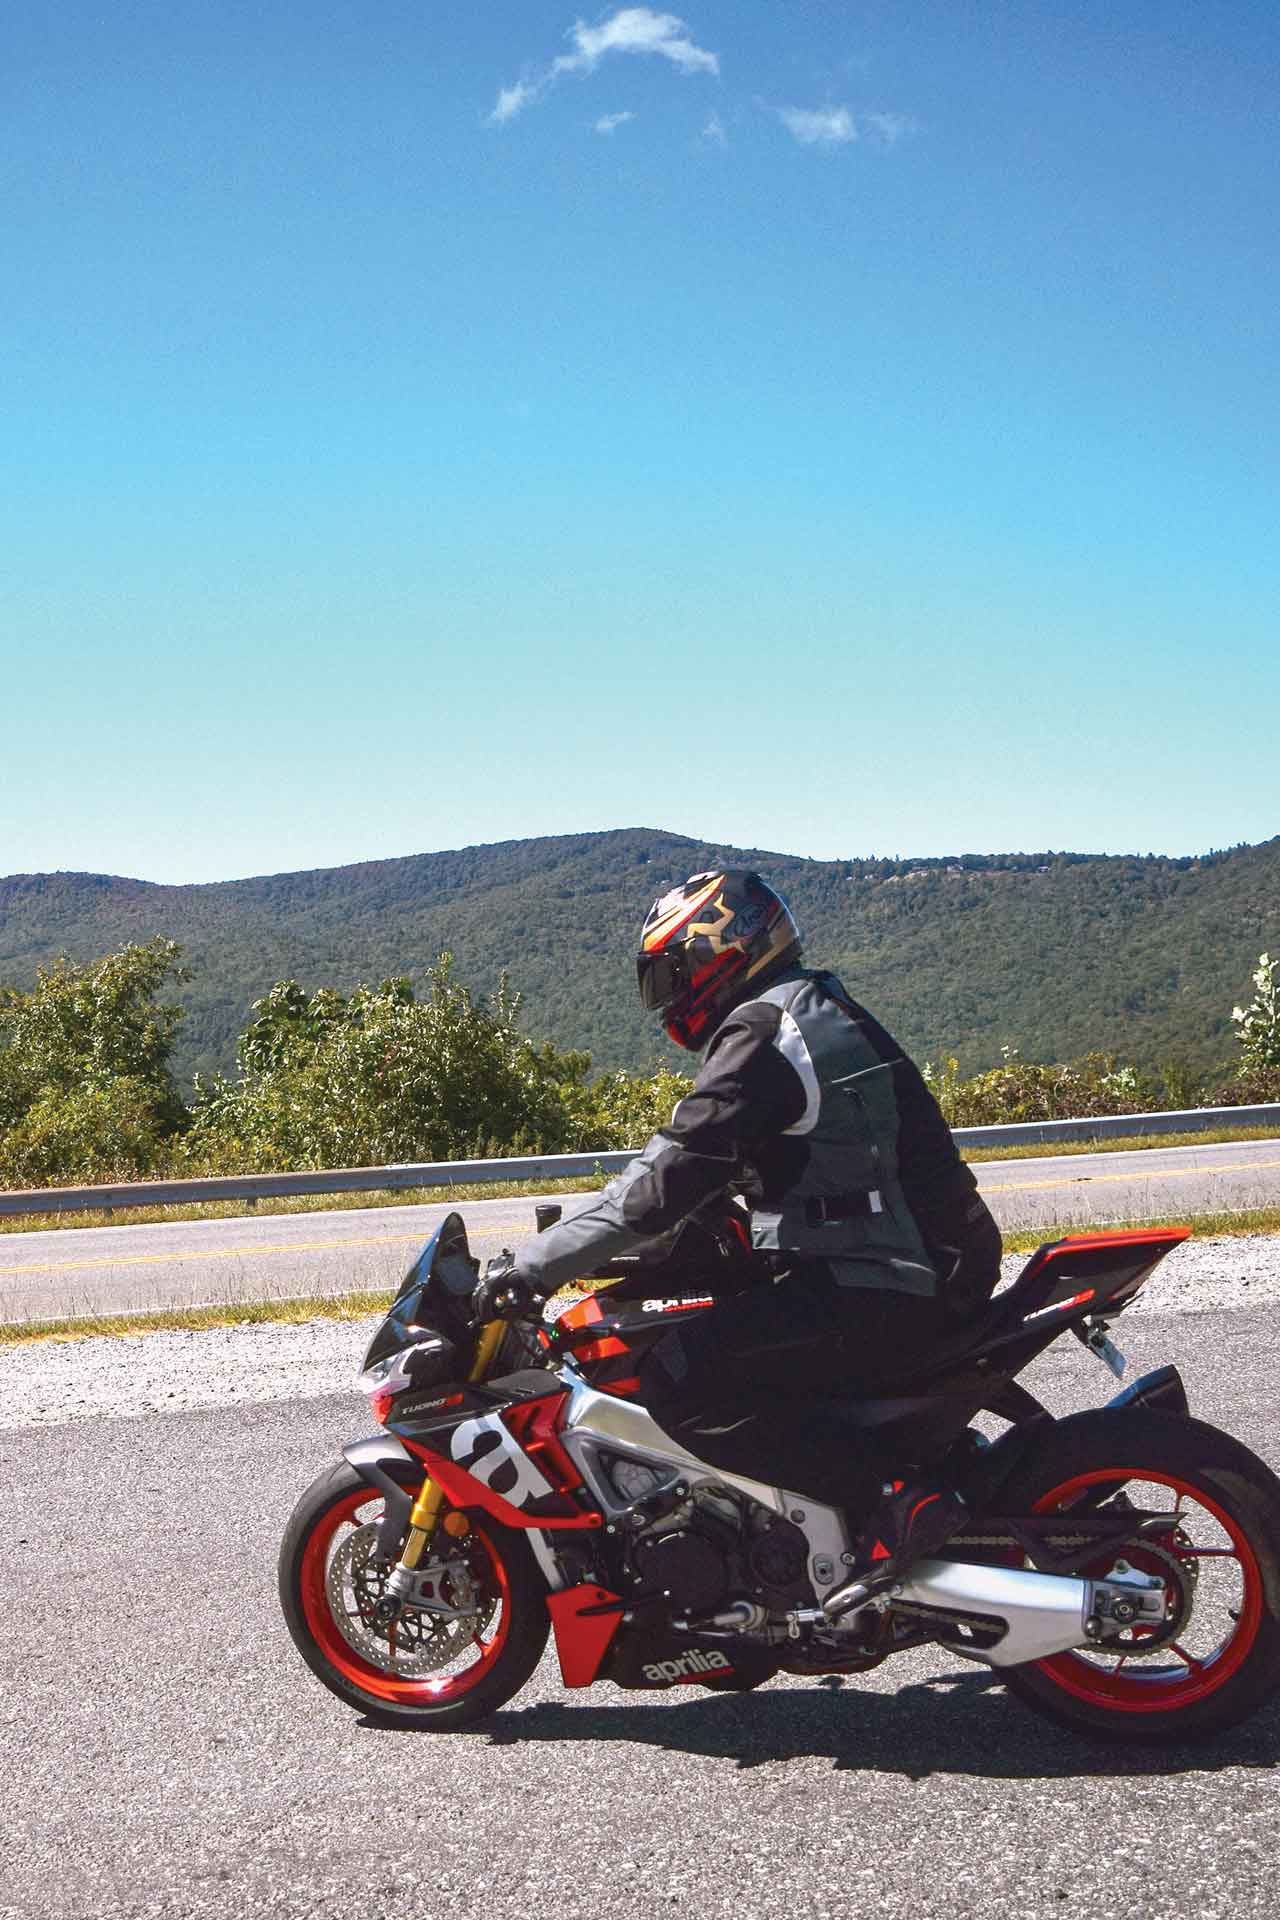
(714, 133)
(511, 100)
(608, 121)
(630, 30)
(635, 30)
(819, 126)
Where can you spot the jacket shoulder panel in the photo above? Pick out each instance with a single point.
(790, 1043)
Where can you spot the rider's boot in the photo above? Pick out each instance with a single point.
(912, 1521)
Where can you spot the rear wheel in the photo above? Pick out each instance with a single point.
(441, 1669)
(1216, 1659)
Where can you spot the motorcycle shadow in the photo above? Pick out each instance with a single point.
(962, 1724)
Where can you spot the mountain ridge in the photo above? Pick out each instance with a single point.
(1056, 953)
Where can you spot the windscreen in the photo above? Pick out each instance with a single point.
(434, 1296)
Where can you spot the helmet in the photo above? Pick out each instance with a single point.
(704, 941)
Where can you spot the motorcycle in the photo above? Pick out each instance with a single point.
(1120, 1569)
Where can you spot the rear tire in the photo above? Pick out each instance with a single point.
(1223, 1661)
(445, 1679)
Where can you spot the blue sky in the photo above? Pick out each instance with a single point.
(844, 429)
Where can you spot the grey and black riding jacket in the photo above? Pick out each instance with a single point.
(810, 1111)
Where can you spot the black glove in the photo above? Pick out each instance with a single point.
(502, 1294)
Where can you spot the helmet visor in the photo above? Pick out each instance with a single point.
(661, 977)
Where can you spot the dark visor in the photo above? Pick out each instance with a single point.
(661, 976)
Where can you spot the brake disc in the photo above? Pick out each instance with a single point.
(416, 1642)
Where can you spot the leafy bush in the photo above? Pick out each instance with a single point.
(1026, 1090)
(621, 1110)
(1257, 1077)
(85, 1136)
(382, 1076)
(85, 1088)
(1258, 1024)
(1254, 1088)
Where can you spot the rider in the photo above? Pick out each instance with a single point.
(867, 1220)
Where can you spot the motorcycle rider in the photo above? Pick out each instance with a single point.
(869, 1225)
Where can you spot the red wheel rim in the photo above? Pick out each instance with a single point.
(434, 1690)
(1133, 1689)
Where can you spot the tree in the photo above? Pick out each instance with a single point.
(85, 1087)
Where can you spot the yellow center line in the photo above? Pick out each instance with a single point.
(513, 1231)
(235, 1253)
(1155, 1173)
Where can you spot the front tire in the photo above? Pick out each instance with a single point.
(421, 1672)
(1219, 1659)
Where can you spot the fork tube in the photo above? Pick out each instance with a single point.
(425, 1517)
(423, 1521)
(487, 1349)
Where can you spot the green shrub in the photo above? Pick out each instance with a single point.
(86, 1095)
(1252, 1088)
(85, 1136)
(1258, 1024)
(381, 1076)
(621, 1110)
(1026, 1090)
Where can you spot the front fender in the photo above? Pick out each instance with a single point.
(374, 1460)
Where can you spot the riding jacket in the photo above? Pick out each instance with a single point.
(806, 1107)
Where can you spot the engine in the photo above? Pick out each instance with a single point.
(691, 1564)
(700, 1551)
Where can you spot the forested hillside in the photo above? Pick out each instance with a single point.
(1056, 954)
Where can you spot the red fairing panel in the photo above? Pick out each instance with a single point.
(463, 1488)
(581, 1644)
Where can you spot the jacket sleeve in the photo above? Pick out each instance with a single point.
(746, 1091)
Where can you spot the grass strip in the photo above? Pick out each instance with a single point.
(235, 1313)
(1141, 1143)
(533, 1189)
(1204, 1226)
(360, 1306)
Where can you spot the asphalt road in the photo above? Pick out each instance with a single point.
(135, 1268)
(164, 1755)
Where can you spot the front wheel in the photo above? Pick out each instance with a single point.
(1217, 1657)
(441, 1669)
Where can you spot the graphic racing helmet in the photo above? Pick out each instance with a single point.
(704, 942)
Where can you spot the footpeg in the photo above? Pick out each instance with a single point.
(842, 1600)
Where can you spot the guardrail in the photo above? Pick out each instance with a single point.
(274, 1186)
(252, 1187)
(1119, 1126)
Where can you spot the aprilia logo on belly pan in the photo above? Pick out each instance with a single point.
(676, 1306)
(688, 1663)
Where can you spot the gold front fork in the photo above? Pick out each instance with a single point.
(423, 1521)
(487, 1348)
(425, 1517)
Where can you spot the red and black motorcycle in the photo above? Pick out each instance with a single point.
(1121, 1569)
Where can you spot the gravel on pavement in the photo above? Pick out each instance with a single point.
(51, 1382)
